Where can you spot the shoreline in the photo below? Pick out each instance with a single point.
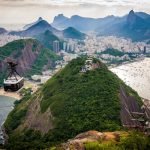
(10, 94)
(136, 75)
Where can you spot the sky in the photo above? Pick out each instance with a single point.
(16, 13)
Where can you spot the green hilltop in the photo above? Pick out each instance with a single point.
(71, 32)
(71, 102)
(47, 38)
(27, 51)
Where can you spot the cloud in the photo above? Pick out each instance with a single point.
(25, 11)
(75, 2)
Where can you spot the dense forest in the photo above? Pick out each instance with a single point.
(78, 102)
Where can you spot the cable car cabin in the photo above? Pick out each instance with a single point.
(14, 81)
(13, 84)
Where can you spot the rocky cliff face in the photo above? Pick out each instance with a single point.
(25, 56)
(28, 57)
(27, 53)
(80, 141)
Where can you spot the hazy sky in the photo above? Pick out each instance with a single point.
(26, 11)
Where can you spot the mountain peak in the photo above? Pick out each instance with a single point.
(60, 17)
(40, 19)
(44, 22)
(31, 24)
(131, 12)
(2, 30)
(79, 92)
(70, 28)
(76, 17)
(73, 33)
(131, 19)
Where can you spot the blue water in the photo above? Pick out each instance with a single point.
(6, 105)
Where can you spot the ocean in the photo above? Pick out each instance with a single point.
(136, 75)
(6, 105)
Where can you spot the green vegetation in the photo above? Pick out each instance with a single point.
(18, 113)
(117, 54)
(47, 39)
(78, 102)
(113, 52)
(15, 49)
(11, 47)
(44, 58)
(134, 141)
(71, 32)
(28, 140)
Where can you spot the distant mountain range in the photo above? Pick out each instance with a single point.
(135, 25)
(41, 27)
(35, 29)
(2, 30)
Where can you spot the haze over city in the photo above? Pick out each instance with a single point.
(21, 12)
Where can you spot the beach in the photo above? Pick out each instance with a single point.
(14, 95)
(136, 75)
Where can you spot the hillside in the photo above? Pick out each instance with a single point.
(47, 38)
(71, 32)
(71, 102)
(118, 140)
(36, 28)
(31, 24)
(2, 31)
(134, 25)
(29, 54)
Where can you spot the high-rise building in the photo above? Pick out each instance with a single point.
(56, 47)
(64, 46)
(144, 52)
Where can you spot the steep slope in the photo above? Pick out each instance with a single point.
(135, 22)
(135, 26)
(71, 32)
(29, 54)
(38, 28)
(31, 24)
(69, 103)
(2, 30)
(35, 29)
(143, 15)
(59, 20)
(47, 39)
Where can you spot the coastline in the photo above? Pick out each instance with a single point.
(10, 94)
(136, 75)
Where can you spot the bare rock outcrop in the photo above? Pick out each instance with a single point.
(90, 136)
